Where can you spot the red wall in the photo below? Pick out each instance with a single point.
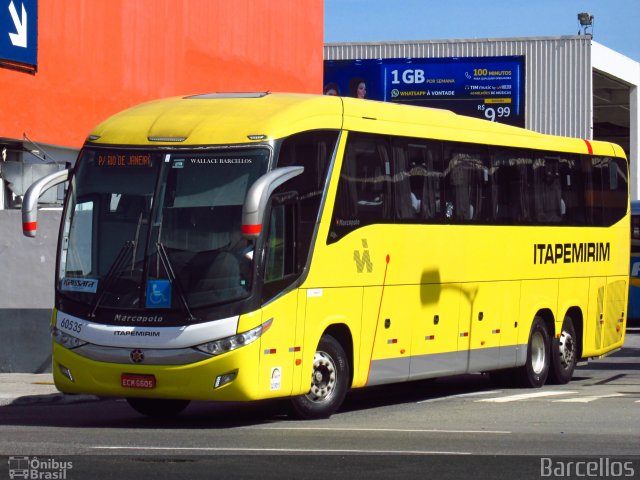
(96, 57)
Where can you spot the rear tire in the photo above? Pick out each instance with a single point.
(329, 382)
(564, 354)
(534, 373)
(157, 407)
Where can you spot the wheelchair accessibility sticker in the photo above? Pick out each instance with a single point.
(158, 294)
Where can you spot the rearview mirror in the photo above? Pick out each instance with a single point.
(30, 200)
(257, 198)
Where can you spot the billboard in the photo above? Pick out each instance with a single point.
(486, 87)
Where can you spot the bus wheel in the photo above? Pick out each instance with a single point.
(534, 373)
(564, 354)
(329, 382)
(157, 407)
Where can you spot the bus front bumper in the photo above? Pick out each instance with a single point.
(228, 377)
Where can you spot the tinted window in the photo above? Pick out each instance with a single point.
(418, 180)
(313, 150)
(388, 179)
(574, 174)
(614, 190)
(466, 181)
(364, 195)
(511, 181)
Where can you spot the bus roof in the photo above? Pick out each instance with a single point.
(236, 118)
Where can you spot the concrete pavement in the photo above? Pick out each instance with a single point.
(34, 388)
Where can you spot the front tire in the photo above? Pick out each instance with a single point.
(329, 382)
(157, 407)
(534, 373)
(564, 354)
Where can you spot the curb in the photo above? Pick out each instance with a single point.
(49, 399)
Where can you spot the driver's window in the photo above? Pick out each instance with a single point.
(274, 267)
(77, 248)
(280, 259)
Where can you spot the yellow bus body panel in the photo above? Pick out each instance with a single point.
(206, 121)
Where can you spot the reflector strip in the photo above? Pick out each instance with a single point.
(430, 337)
(589, 147)
(392, 340)
(497, 330)
(270, 351)
(30, 226)
(251, 229)
(266, 325)
(464, 334)
(294, 349)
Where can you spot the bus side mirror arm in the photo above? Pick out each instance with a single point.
(30, 200)
(258, 195)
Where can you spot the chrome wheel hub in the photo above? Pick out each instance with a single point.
(567, 349)
(538, 354)
(323, 378)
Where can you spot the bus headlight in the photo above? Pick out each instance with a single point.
(224, 345)
(66, 340)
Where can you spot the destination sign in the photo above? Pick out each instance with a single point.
(123, 160)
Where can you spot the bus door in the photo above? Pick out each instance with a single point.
(281, 344)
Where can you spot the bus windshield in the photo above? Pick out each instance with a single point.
(129, 244)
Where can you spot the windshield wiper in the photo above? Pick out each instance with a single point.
(166, 263)
(121, 258)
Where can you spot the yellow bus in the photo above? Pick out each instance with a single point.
(237, 247)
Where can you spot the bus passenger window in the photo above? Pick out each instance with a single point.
(511, 173)
(417, 166)
(606, 190)
(364, 189)
(614, 194)
(466, 180)
(572, 178)
(547, 191)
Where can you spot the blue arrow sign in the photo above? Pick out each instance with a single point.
(19, 31)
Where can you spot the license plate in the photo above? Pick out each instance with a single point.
(131, 380)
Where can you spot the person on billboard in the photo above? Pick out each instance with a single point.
(358, 88)
(331, 88)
